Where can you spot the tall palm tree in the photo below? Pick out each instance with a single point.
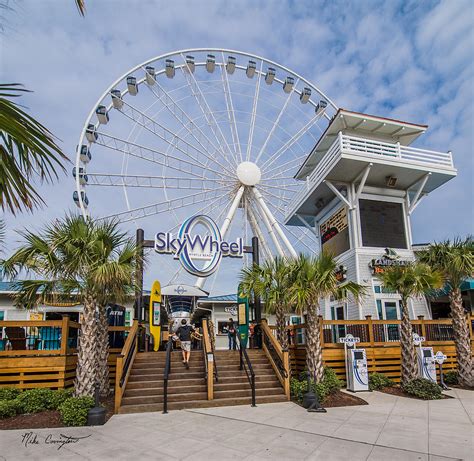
(315, 279)
(27, 150)
(410, 281)
(455, 260)
(93, 261)
(271, 282)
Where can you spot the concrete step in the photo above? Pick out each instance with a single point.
(201, 404)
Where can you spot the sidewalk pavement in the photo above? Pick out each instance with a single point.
(389, 428)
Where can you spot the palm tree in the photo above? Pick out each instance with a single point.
(93, 261)
(27, 150)
(455, 260)
(271, 282)
(315, 279)
(410, 281)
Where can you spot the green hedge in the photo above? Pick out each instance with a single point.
(329, 384)
(451, 377)
(8, 408)
(35, 400)
(423, 389)
(9, 393)
(74, 410)
(379, 381)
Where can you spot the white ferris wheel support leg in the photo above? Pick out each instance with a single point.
(225, 226)
(258, 232)
(270, 230)
(274, 222)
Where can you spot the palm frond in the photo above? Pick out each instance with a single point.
(27, 150)
(81, 7)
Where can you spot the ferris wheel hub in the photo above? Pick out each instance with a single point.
(249, 173)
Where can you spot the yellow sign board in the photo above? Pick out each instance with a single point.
(155, 314)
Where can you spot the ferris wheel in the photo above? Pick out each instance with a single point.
(202, 131)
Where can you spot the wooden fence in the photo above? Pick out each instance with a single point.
(44, 353)
(380, 339)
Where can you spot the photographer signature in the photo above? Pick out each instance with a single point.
(31, 438)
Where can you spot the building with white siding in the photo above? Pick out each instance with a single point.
(360, 185)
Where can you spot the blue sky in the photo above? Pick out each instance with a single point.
(408, 60)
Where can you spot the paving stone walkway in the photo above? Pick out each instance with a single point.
(389, 428)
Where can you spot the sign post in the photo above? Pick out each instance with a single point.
(440, 358)
(155, 314)
(243, 317)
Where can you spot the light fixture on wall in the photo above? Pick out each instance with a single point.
(391, 181)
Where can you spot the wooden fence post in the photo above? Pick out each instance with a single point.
(421, 318)
(470, 319)
(370, 327)
(64, 334)
(286, 366)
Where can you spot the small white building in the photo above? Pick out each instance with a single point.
(361, 183)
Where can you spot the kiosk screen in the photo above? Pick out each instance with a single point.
(427, 353)
(358, 355)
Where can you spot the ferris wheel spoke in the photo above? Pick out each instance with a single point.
(254, 112)
(182, 117)
(256, 229)
(163, 206)
(147, 181)
(166, 135)
(270, 194)
(231, 114)
(206, 110)
(274, 157)
(284, 167)
(281, 186)
(276, 122)
(147, 153)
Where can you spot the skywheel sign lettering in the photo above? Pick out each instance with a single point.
(198, 245)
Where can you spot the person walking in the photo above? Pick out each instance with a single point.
(184, 334)
(231, 333)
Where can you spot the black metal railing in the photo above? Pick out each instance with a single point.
(128, 361)
(169, 348)
(277, 360)
(246, 365)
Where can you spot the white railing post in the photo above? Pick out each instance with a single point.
(399, 150)
(339, 137)
(451, 158)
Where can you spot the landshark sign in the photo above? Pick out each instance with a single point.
(192, 247)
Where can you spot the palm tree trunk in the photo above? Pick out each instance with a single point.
(461, 339)
(409, 368)
(281, 327)
(84, 384)
(314, 353)
(103, 353)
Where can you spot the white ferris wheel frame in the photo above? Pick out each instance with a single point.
(280, 241)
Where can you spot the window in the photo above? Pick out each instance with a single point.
(382, 289)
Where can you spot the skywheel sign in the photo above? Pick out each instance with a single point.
(198, 245)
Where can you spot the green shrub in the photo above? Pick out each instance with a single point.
(74, 410)
(379, 381)
(35, 400)
(451, 377)
(9, 393)
(8, 408)
(423, 389)
(58, 397)
(329, 384)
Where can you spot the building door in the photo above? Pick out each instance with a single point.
(389, 310)
(338, 331)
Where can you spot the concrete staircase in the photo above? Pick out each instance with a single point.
(187, 388)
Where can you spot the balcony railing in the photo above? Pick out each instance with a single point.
(352, 145)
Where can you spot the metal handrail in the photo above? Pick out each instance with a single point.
(169, 348)
(275, 356)
(247, 366)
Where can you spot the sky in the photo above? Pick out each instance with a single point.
(410, 60)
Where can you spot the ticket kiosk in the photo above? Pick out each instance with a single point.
(426, 363)
(356, 365)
